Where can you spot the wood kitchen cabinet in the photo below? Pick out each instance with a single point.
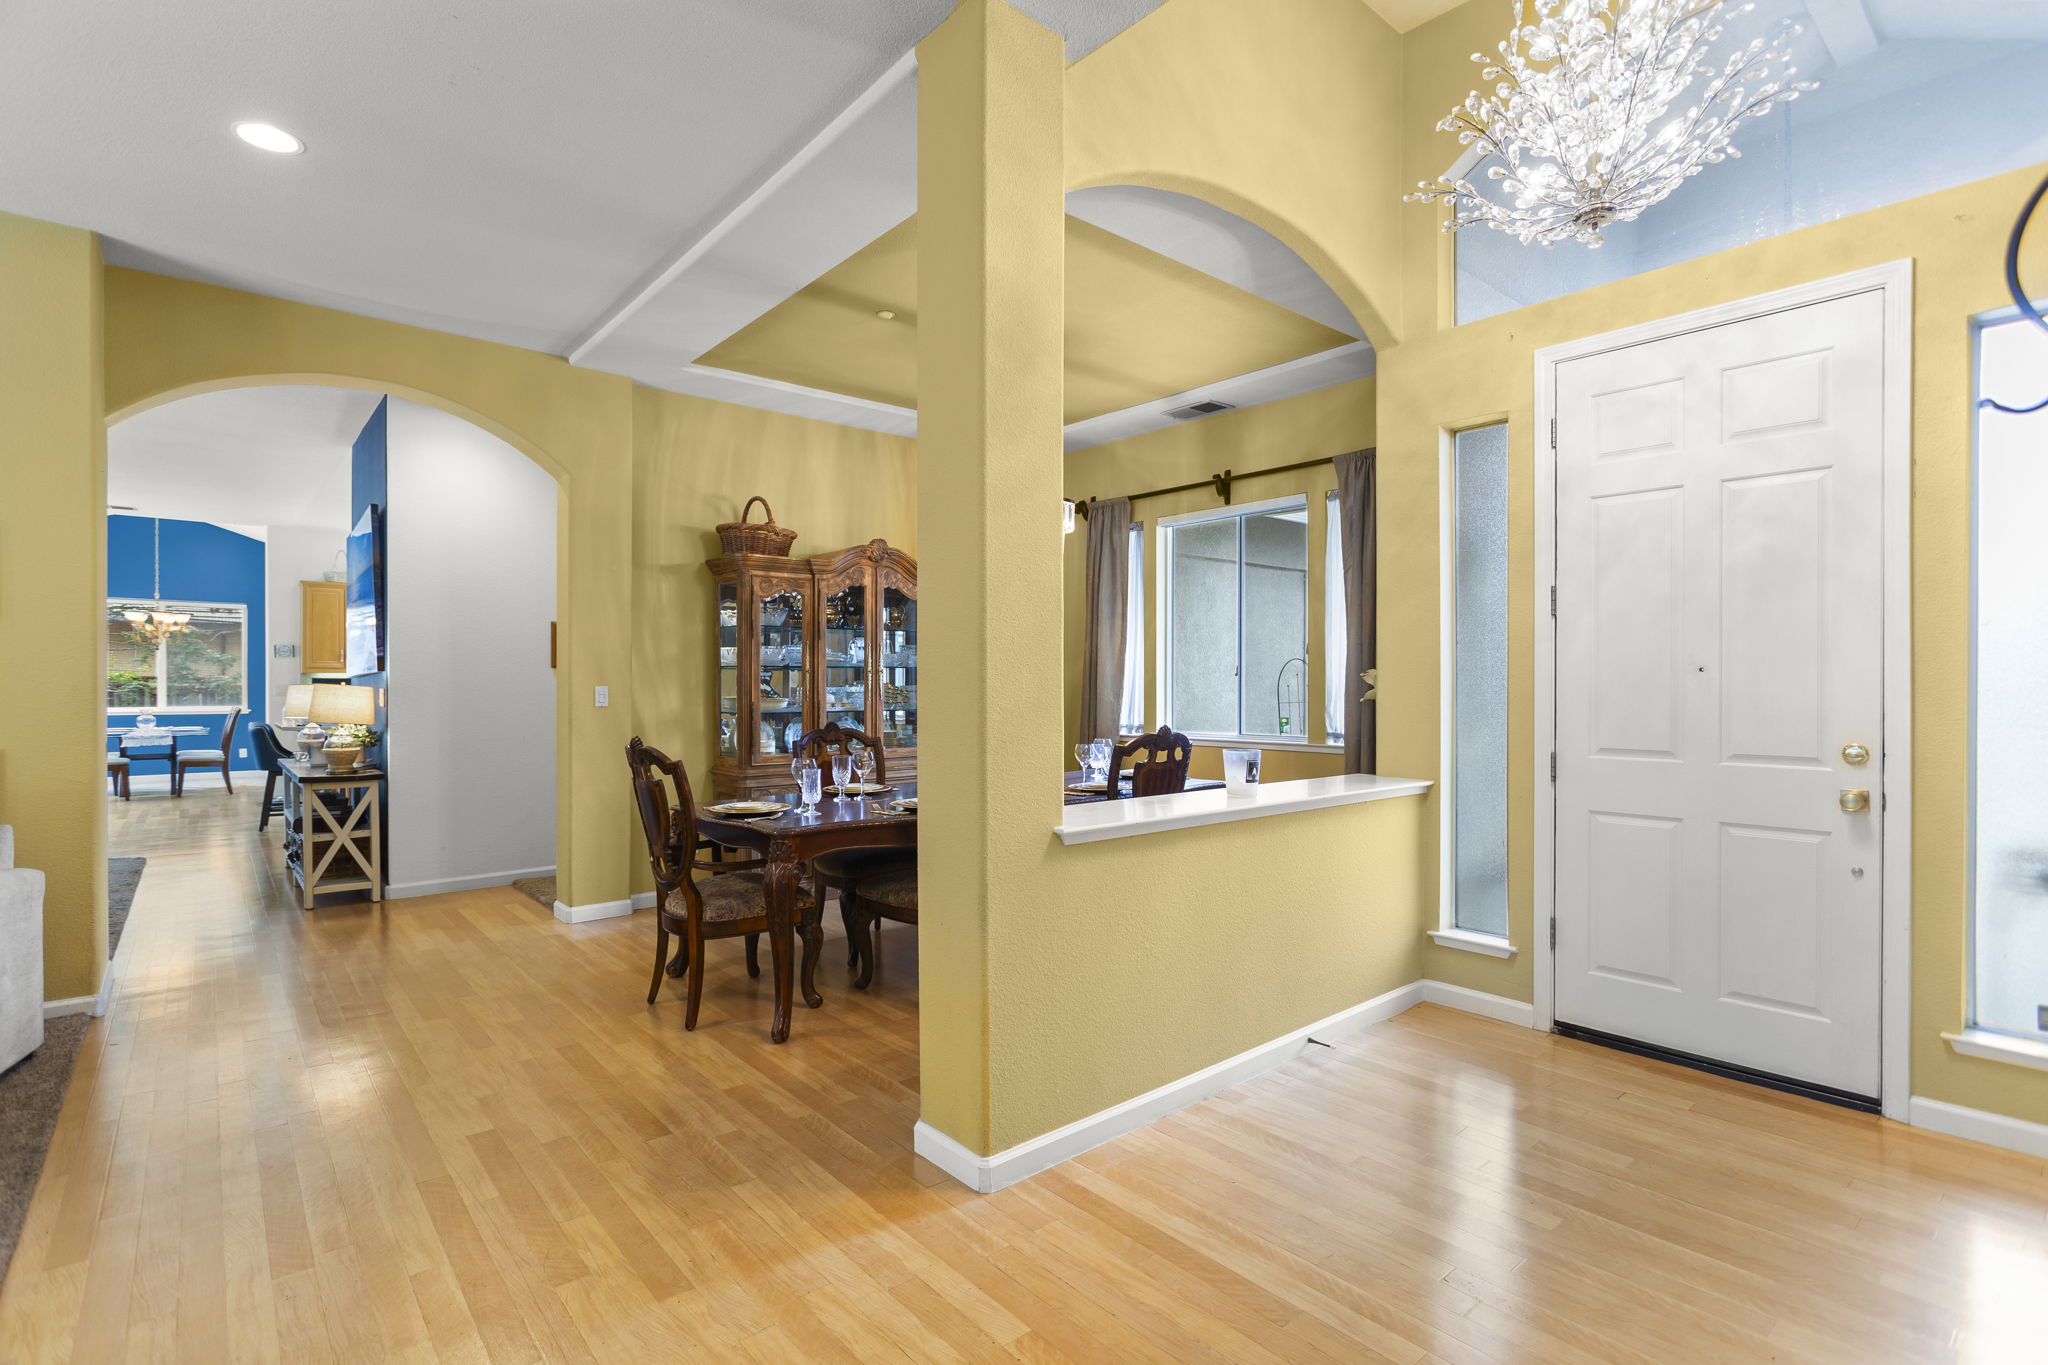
(323, 608)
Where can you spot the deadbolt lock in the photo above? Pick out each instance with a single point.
(1855, 754)
(1855, 799)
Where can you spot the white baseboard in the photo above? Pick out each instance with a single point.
(398, 891)
(987, 1174)
(1518, 1012)
(583, 914)
(643, 900)
(77, 1004)
(1996, 1130)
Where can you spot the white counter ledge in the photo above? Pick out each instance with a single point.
(1096, 820)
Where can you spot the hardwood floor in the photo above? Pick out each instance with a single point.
(448, 1129)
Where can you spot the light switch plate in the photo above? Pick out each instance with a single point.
(604, 696)
(284, 651)
(2041, 1018)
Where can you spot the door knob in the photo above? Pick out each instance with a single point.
(1855, 754)
(1854, 799)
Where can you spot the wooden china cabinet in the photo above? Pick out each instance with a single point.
(806, 641)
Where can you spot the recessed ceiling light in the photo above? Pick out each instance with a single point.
(270, 138)
(885, 314)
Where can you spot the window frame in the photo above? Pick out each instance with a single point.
(1337, 681)
(1292, 502)
(162, 679)
(1448, 933)
(1132, 719)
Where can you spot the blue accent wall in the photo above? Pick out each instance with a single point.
(201, 563)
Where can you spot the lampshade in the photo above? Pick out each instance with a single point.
(298, 700)
(340, 704)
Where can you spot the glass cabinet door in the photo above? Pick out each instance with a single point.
(846, 657)
(780, 667)
(729, 715)
(896, 674)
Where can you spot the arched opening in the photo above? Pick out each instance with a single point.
(328, 537)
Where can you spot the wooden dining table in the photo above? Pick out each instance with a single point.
(789, 841)
(792, 839)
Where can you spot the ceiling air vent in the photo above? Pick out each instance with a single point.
(1201, 409)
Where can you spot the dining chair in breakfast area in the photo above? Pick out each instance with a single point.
(117, 773)
(841, 868)
(189, 760)
(1161, 767)
(271, 756)
(728, 901)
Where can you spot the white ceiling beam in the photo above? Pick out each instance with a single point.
(1844, 25)
(665, 274)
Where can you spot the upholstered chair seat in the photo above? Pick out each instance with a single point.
(203, 755)
(734, 896)
(894, 888)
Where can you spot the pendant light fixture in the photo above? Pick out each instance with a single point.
(157, 624)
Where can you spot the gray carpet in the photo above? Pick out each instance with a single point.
(123, 876)
(33, 1092)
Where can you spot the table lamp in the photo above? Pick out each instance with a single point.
(298, 704)
(335, 704)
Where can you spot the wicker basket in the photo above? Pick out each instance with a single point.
(743, 537)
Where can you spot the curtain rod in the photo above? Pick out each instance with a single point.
(1220, 482)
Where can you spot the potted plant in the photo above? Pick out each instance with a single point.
(345, 745)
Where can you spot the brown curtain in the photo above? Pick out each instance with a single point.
(1105, 600)
(1358, 524)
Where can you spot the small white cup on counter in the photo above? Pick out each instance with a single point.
(1240, 768)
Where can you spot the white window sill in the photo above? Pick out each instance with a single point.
(1218, 805)
(1291, 746)
(1465, 941)
(1999, 1047)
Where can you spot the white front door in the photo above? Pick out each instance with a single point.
(1720, 648)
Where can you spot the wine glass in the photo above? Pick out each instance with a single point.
(842, 771)
(810, 781)
(1085, 752)
(864, 765)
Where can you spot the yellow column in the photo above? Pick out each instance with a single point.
(53, 570)
(991, 272)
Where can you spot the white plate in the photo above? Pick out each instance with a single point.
(908, 803)
(860, 789)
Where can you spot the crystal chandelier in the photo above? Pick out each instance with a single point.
(157, 626)
(1577, 126)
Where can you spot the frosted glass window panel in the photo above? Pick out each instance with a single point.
(2011, 803)
(1479, 785)
(1202, 558)
(1337, 680)
(1275, 624)
(1133, 718)
(1949, 94)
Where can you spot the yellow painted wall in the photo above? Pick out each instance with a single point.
(1059, 981)
(695, 464)
(1444, 377)
(166, 338)
(1311, 426)
(53, 564)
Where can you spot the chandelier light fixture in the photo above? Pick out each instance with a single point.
(157, 625)
(1580, 125)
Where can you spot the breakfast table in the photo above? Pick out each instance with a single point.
(149, 736)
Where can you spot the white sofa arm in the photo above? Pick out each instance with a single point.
(21, 956)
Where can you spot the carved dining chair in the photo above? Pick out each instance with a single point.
(841, 868)
(189, 759)
(885, 893)
(1162, 767)
(730, 901)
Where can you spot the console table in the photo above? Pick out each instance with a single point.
(338, 846)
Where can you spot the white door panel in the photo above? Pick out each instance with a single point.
(1720, 638)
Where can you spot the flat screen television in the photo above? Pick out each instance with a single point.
(365, 617)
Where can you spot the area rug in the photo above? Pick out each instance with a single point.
(541, 889)
(33, 1092)
(123, 876)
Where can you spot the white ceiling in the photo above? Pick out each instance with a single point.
(255, 457)
(626, 183)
